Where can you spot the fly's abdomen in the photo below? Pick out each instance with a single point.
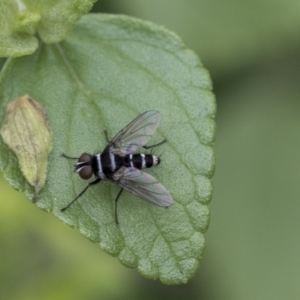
(141, 161)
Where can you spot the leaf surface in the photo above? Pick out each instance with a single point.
(109, 70)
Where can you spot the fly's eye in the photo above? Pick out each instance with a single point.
(86, 172)
(84, 157)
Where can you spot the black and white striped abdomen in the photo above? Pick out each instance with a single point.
(106, 163)
(141, 161)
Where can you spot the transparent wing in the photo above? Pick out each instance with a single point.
(136, 134)
(143, 185)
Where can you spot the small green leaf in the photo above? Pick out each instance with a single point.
(14, 38)
(109, 70)
(51, 19)
(58, 17)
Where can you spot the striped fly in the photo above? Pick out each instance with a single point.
(119, 164)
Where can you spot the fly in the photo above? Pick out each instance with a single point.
(119, 164)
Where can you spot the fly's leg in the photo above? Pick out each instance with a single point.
(116, 201)
(106, 136)
(85, 189)
(152, 146)
(68, 157)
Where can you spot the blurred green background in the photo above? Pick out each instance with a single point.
(252, 49)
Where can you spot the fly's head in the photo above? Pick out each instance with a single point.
(84, 166)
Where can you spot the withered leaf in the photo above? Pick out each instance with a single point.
(27, 134)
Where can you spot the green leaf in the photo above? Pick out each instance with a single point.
(58, 17)
(110, 69)
(15, 43)
(52, 19)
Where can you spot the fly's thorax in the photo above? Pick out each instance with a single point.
(95, 166)
(106, 163)
(141, 161)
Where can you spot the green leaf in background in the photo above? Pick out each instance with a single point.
(109, 70)
(52, 19)
(245, 31)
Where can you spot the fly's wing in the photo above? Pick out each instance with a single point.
(142, 185)
(136, 134)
